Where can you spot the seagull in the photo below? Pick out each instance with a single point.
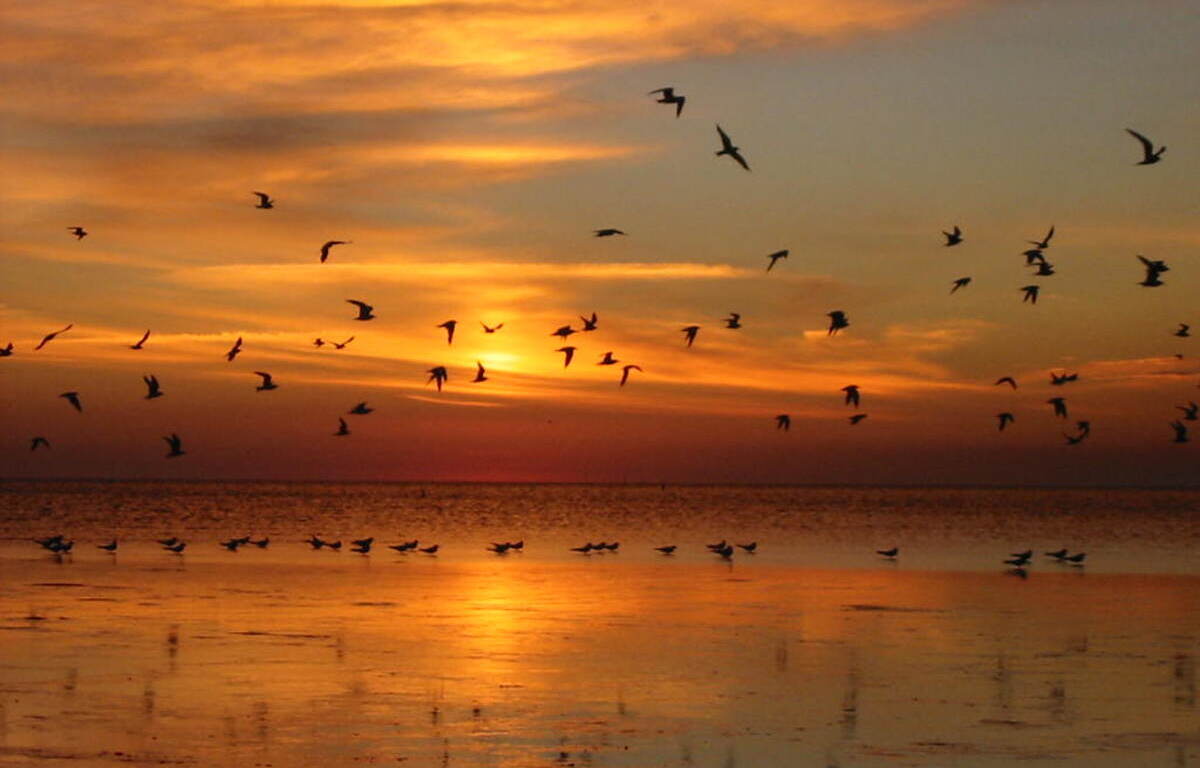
(857, 418)
(1009, 380)
(73, 399)
(1031, 294)
(79, 232)
(1181, 431)
(1149, 155)
(267, 383)
(364, 548)
(1066, 378)
(727, 148)
(607, 232)
(35, 442)
(1189, 411)
(1060, 406)
(343, 344)
(364, 309)
(343, 428)
(734, 321)
(1044, 243)
(625, 372)
(6, 351)
(589, 323)
(500, 549)
(328, 245)
(568, 354)
(888, 553)
(961, 282)
(234, 350)
(690, 333)
(264, 200)
(1017, 562)
(176, 444)
(715, 547)
(480, 373)
(852, 395)
(667, 550)
(564, 331)
(783, 421)
(360, 410)
(232, 545)
(667, 96)
(837, 321)
(774, 257)
(168, 542)
(1005, 418)
(50, 542)
(449, 326)
(491, 329)
(336, 546)
(152, 388)
(608, 359)
(109, 547)
(404, 546)
(1182, 333)
(49, 337)
(439, 375)
(954, 237)
(142, 340)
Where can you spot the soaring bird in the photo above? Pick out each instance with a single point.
(1183, 332)
(438, 375)
(689, 333)
(961, 282)
(568, 354)
(734, 321)
(625, 372)
(1181, 431)
(783, 421)
(774, 257)
(1005, 418)
(343, 344)
(667, 96)
(73, 399)
(564, 331)
(491, 328)
(328, 245)
(234, 350)
(361, 409)
(608, 359)
(38, 441)
(364, 309)
(727, 148)
(142, 340)
(1189, 411)
(1066, 378)
(267, 383)
(79, 232)
(264, 200)
(1150, 156)
(6, 351)
(1060, 406)
(176, 444)
(953, 237)
(343, 428)
(49, 337)
(449, 325)
(857, 418)
(607, 232)
(152, 388)
(1044, 243)
(1009, 380)
(1031, 294)
(837, 321)
(589, 323)
(480, 373)
(852, 395)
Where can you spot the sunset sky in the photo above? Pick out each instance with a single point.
(469, 149)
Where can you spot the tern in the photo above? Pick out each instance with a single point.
(449, 325)
(751, 547)
(667, 550)
(152, 388)
(235, 350)
(857, 418)
(568, 354)
(430, 550)
(888, 553)
(36, 442)
(564, 331)
(264, 200)
(79, 232)
(589, 323)
(6, 351)
(1189, 411)
(608, 359)
(49, 337)
(176, 445)
(1005, 418)
(491, 328)
(1181, 431)
(1060, 406)
(734, 321)
(343, 344)
(1183, 332)
(328, 245)
(783, 421)
(1044, 243)
(1009, 380)
(1065, 378)
(438, 375)
(1031, 294)
(625, 372)
(73, 399)
(343, 428)
(1150, 156)
(774, 257)
(689, 333)
(961, 282)
(267, 383)
(109, 547)
(607, 232)
(667, 96)
(852, 395)
(837, 321)
(364, 310)
(360, 410)
(480, 373)
(142, 340)
(727, 148)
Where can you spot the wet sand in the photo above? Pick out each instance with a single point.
(146, 658)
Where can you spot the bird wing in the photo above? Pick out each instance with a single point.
(726, 143)
(144, 337)
(740, 160)
(1147, 145)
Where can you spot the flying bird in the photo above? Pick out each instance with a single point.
(1189, 411)
(1150, 156)
(1033, 255)
(589, 323)
(480, 373)
(888, 553)
(142, 340)
(318, 342)
(734, 321)
(727, 148)
(343, 344)
(1181, 432)
(38, 441)
(267, 383)
(608, 359)
(49, 337)
(852, 395)
(109, 547)
(438, 375)
(491, 329)
(328, 245)
(774, 257)
(430, 550)
(568, 354)
(1065, 378)
(6, 351)
(564, 331)
(606, 232)
(689, 333)
(1084, 427)
(667, 550)
(783, 421)
(1044, 269)
(176, 444)
(364, 309)
(234, 350)
(1009, 380)
(449, 325)
(361, 409)
(152, 388)
(264, 200)
(1057, 555)
(625, 372)
(1031, 294)
(79, 232)
(961, 282)
(953, 237)
(1183, 332)
(837, 321)
(750, 548)
(667, 96)
(857, 418)
(73, 399)
(1060, 406)
(1005, 418)
(343, 428)
(1044, 243)
(1074, 439)
(1154, 268)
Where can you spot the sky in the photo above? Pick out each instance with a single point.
(468, 150)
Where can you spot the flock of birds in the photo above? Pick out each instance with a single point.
(1035, 257)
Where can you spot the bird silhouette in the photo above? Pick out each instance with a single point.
(264, 200)
(49, 337)
(152, 388)
(1005, 418)
(361, 409)
(109, 547)
(318, 342)
(1031, 294)
(38, 441)
(669, 549)
(315, 541)
(1058, 555)
(1189, 411)
(480, 373)
(1075, 559)
(625, 372)
(667, 96)
(177, 547)
(141, 341)
(689, 333)
(1009, 380)
(584, 549)
(1044, 269)
(563, 332)
(1065, 378)
(727, 148)
(267, 383)
(1074, 439)
(79, 232)
(1183, 332)
(1044, 243)
(1060, 406)
(1033, 256)
(714, 547)
(783, 421)
(449, 325)
(589, 323)
(726, 552)
(1181, 431)
(961, 282)
(856, 418)
(491, 329)
(176, 445)
(608, 359)
(262, 543)
(751, 547)
(734, 321)
(852, 394)
(774, 257)
(343, 428)
(438, 375)
(888, 553)
(235, 350)
(7, 350)
(1084, 427)
(606, 232)
(362, 549)
(1150, 156)
(1154, 268)
(73, 399)
(837, 321)
(343, 344)
(328, 245)
(953, 237)
(430, 550)
(364, 309)
(568, 354)
(1017, 562)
